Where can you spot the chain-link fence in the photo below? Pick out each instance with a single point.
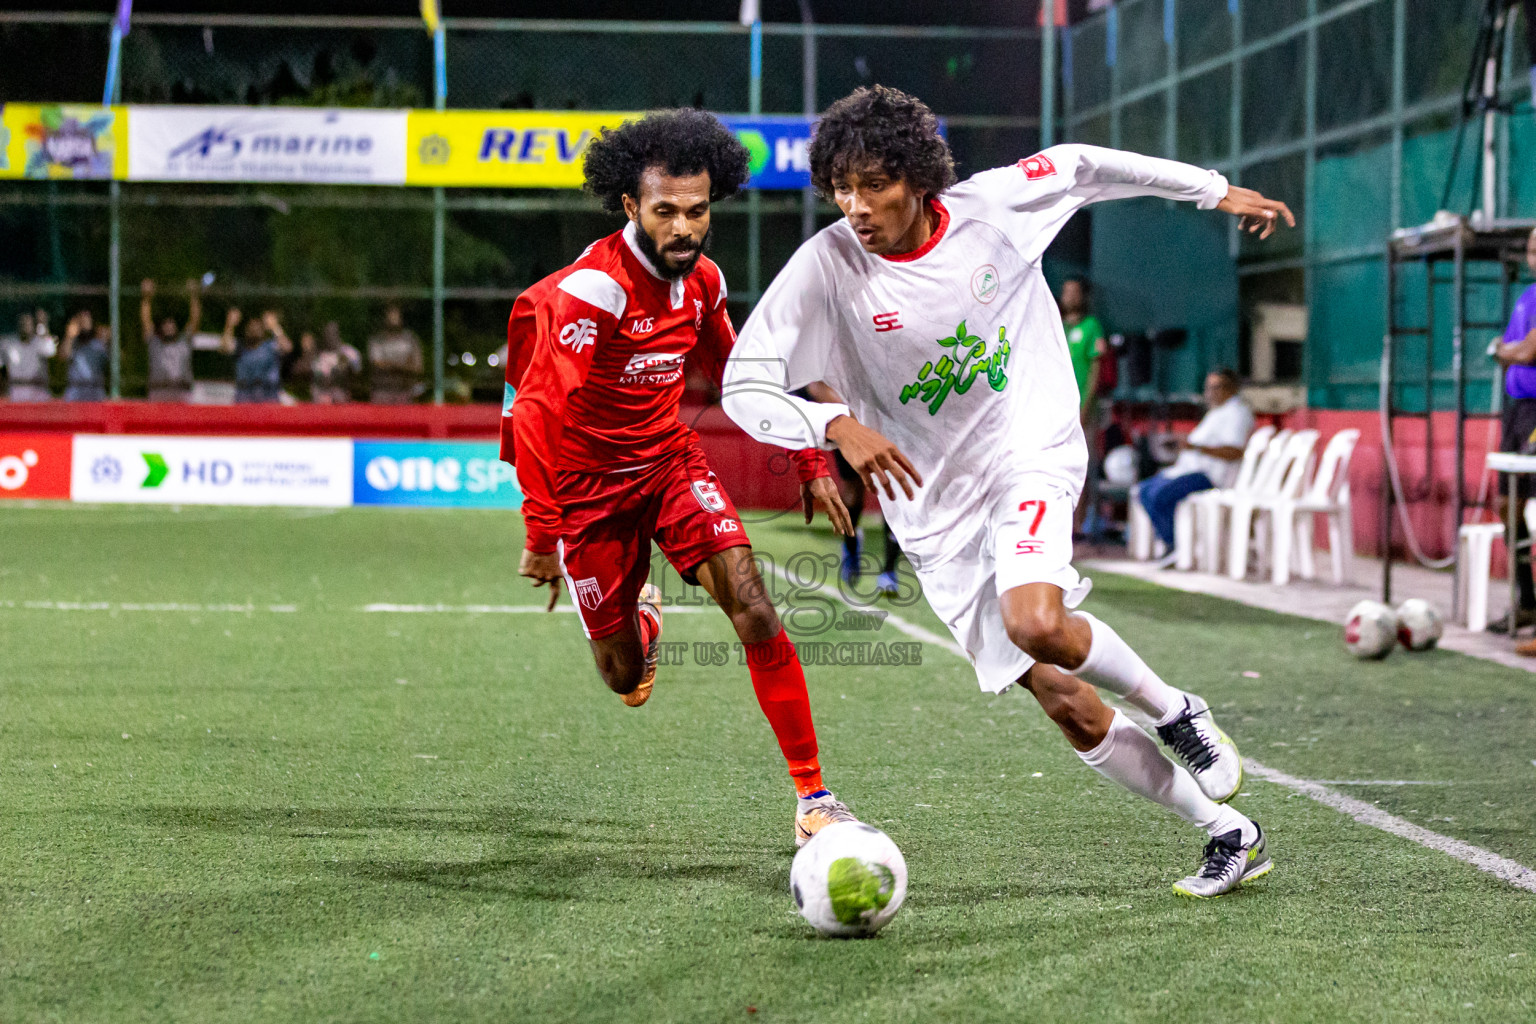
(321, 254)
(1344, 109)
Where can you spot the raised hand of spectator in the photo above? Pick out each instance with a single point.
(147, 288)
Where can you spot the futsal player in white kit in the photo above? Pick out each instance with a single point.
(926, 311)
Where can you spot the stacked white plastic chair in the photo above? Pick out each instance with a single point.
(1197, 521)
(1291, 521)
(1284, 482)
(1140, 539)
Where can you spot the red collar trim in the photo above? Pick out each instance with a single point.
(933, 239)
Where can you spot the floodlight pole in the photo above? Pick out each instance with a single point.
(439, 216)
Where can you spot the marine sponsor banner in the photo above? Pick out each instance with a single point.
(63, 140)
(502, 148)
(458, 474)
(291, 144)
(211, 470)
(35, 465)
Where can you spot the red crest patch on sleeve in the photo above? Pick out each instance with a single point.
(1037, 167)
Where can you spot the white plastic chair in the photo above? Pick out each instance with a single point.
(1139, 536)
(1476, 540)
(1198, 519)
(1291, 520)
(1287, 478)
(1265, 479)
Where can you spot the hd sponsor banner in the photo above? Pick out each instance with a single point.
(62, 140)
(502, 148)
(211, 470)
(460, 474)
(778, 149)
(290, 144)
(35, 465)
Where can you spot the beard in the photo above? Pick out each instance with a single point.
(664, 267)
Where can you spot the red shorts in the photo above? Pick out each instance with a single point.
(610, 519)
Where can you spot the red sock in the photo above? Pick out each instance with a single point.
(779, 682)
(648, 631)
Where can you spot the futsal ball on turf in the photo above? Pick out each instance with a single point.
(849, 880)
(1418, 624)
(1370, 630)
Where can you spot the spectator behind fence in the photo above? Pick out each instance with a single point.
(1208, 457)
(259, 359)
(170, 348)
(1517, 354)
(395, 364)
(331, 364)
(85, 351)
(1086, 346)
(25, 356)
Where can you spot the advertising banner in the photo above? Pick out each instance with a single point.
(292, 144)
(211, 471)
(459, 474)
(502, 148)
(779, 149)
(34, 466)
(54, 140)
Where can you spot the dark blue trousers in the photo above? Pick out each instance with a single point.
(1160, 495)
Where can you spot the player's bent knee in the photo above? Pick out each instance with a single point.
(1039, 632)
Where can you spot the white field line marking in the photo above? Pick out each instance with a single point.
(1513, 872)
(912, 629)
(503, 609)
(110, 606)
(1380, 782)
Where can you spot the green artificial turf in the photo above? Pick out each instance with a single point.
(330, 814)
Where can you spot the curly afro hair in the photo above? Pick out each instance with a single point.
(879, 125)
(680, 142)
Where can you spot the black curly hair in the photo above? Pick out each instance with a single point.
(884, 126)
(678, 141)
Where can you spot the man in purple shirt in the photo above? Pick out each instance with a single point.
(1517, 353)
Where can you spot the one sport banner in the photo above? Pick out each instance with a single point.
(278, 144)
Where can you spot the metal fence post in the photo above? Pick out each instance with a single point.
(439, 218)
(115, 262)
(754, 195)
(808, 104)
(1047, 74)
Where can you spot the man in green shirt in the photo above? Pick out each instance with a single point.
(1085, 344)
(1085, 340)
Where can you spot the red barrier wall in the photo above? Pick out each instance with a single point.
(759, 476)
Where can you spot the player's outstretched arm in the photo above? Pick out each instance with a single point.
(1255, 213)
(875, 457)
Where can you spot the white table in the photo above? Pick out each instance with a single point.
(1512, 466)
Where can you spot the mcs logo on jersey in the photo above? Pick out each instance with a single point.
(579, 335)
(35, 465)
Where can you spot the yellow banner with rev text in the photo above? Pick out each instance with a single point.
(502, 148)
(63, 140)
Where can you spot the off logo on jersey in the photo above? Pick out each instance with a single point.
(707, 494)
(984, 283)
(579, 335)
(589, 593)
(1037, 167)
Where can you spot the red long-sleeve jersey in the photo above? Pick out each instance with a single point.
(595, 356)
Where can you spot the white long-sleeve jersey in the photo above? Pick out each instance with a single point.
(955, 351)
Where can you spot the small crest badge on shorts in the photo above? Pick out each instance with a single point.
(984, 283)
(707, 492)
(589, 593)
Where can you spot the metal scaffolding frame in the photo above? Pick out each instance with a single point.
(1463, 247)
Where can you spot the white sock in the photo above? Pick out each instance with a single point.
(1131, 758)
(1112, 664)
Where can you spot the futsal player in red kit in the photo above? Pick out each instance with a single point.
(595, 361)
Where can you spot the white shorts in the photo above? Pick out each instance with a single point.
(1025, 538)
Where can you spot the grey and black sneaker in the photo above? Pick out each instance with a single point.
(1208, 753)
(813, 815)
(1227, 863)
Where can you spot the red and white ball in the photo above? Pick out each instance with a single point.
(1419, 626)
(1370, 630)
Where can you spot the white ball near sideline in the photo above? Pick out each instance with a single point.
(1120, 466)
(1418, 624)
(849, 880)
(1370, 630)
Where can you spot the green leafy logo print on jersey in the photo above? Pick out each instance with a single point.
(956, 370)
